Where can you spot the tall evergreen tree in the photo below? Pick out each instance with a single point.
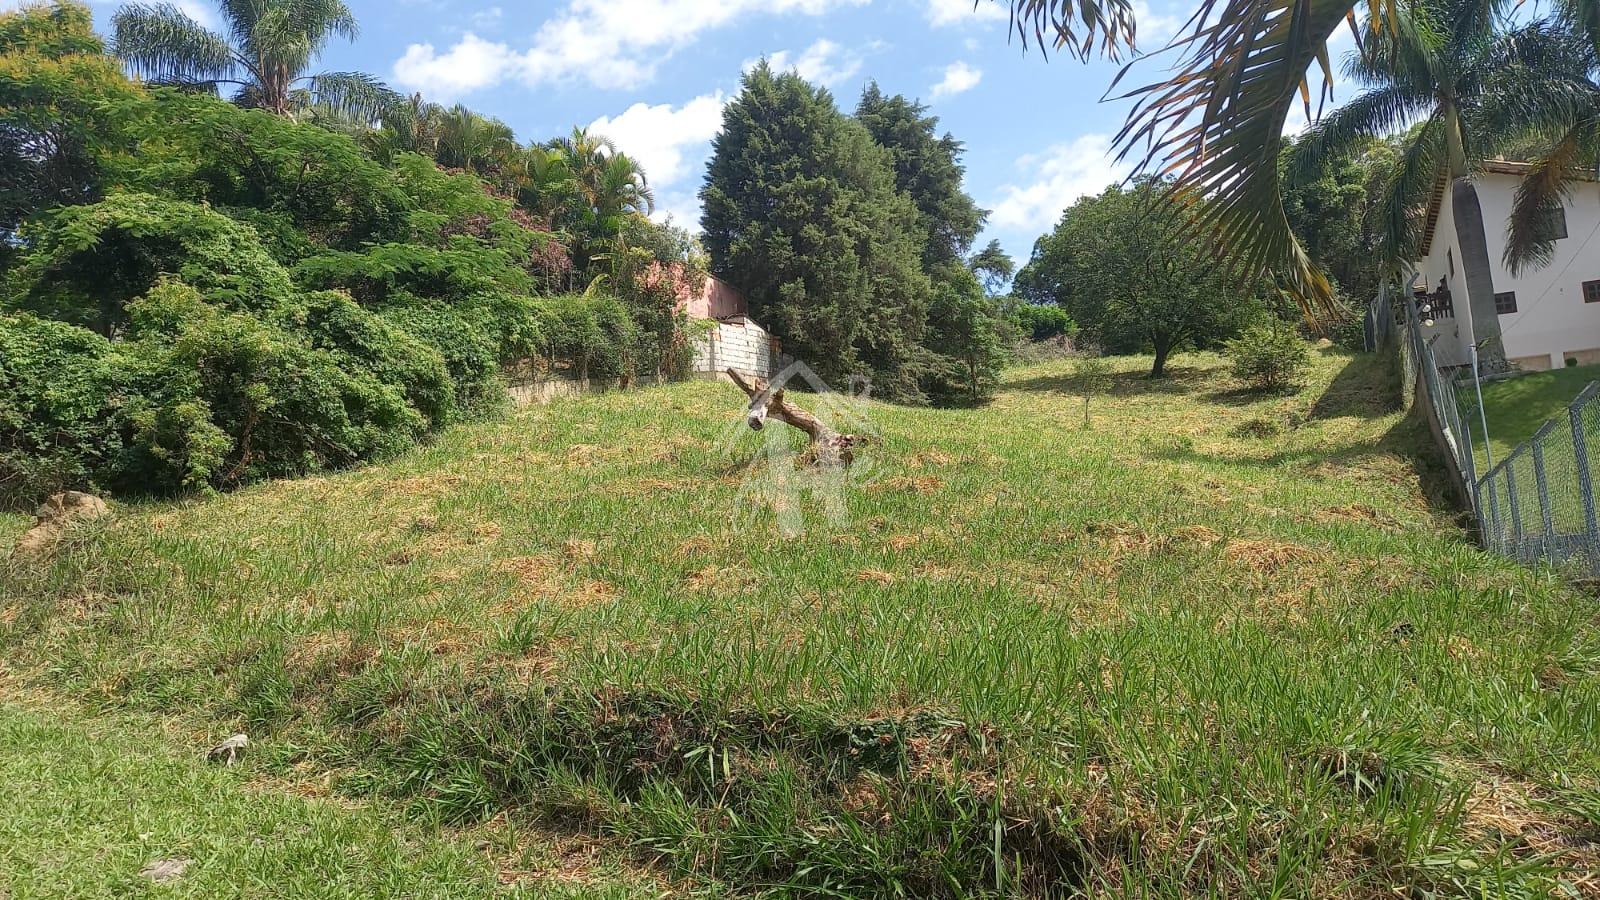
(801, 213)
(927, 167)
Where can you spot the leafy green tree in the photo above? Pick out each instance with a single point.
(964, 333)
(994, 266)
(265, 56)
(1332, 212)
(63, 106)
(1126, 267)
(801, 213)
(927, 168)
(84, 264)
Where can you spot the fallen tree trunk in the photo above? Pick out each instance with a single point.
(828, 447)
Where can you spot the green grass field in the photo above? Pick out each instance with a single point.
(88, 803)
(1518, 407)
(1215, 645)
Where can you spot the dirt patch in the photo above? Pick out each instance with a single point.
(532, 571)
(925, 485)
(1268, 557)
(1356, 512)
(720, 580)
(427, 486)
(876, 576)
(576, 550)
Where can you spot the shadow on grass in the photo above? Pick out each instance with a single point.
(1408, 440)
(1178, 380)
(1367, 387)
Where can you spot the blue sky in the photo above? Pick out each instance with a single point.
(653, 75)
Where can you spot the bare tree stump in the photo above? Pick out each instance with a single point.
(828, 447)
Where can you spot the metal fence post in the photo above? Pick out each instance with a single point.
(1511, 503)
(1546, 515)
(1490, 516)
(1580, 450)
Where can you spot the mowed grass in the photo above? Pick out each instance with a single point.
(1519, 407)
(91, 805)
(1213, 645)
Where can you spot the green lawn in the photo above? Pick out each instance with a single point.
(1517, 407)
(1215, 645)
(87, 803)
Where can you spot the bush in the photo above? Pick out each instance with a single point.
(333, 322)
(221, 398)
(1269, 356)
(59, 386)
(465, 341)
(593, 337)
(85, 263)
(1041, 322)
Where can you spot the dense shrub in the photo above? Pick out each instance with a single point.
(594, 337)
(59, 385)
(1269, 356)
(333, 322)
(466, 343)
(224, 397)
(84, 264)
(1042, 321)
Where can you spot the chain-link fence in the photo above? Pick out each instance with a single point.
(1537, 504)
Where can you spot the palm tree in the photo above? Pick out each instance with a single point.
(607, 187)
(1216, 122)
(476, 143)
(265, 55)
(1468, 92)
(545, 185)
(412, 125)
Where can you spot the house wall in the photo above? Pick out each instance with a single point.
(716, 300)
(1552, 323)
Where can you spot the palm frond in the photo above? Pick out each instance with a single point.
(1542, 194)
(1075, 26)
(355, 94)
(1217, 123)
(1402, 207)
(1376, 113)
(1583, 17)
(161, 43)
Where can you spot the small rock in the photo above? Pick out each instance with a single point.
(228, 751)
(161, 871)
(54, 516)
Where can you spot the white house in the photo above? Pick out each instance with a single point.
(1548, 315)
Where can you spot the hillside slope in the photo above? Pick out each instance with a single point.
(1212, 644)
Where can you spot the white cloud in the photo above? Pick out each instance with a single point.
(488, 18)
(1058, 177)
(681, 207)
(960, 12)
(666, 141)
(607, 43)
(824, 62)
(471, 64)
(958, 78)
(1155, 29)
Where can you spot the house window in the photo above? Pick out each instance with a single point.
(1450, 254)
(1554, 225)
(1505, 303)
(1591, 292)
